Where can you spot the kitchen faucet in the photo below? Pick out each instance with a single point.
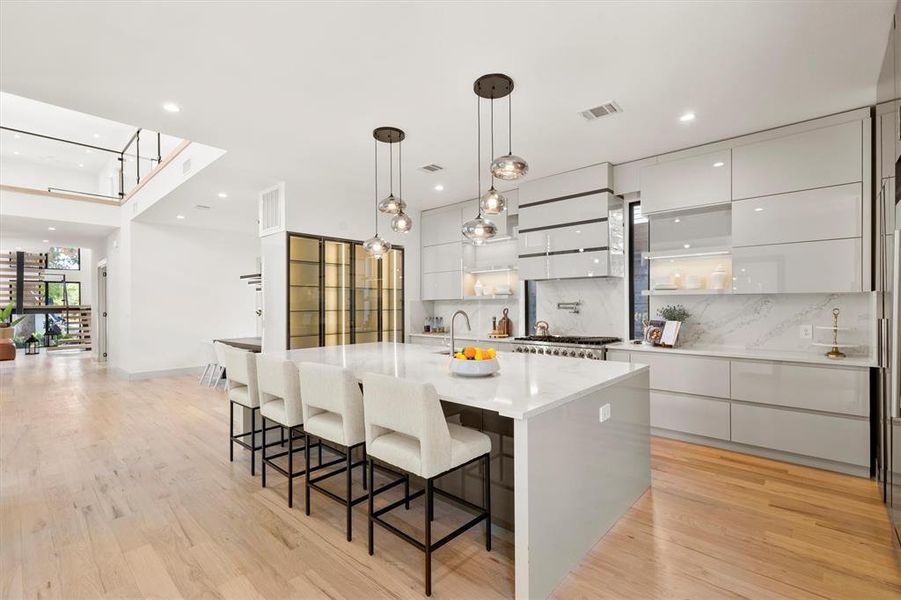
(453, 319)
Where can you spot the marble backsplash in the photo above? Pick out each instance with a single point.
(480, 313)
(773, 321)
(602, 311)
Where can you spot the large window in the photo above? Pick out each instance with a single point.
(639, 241)
(63, 293)
(65, 259)
(338, 294)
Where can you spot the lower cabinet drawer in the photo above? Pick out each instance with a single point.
(687, 374)
(841, 439)
(690, 414)
(829, 389)
(618, 356)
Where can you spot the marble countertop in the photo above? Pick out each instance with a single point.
(527, 384)
(775, 355)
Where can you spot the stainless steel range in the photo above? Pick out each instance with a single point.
(575, 346)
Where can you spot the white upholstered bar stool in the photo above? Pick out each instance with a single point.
(279, 388)
(333, 412)
(241, 388)
(406, 429)
(210, 355)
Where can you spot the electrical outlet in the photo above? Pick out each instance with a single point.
(806, 332)
(605, 412)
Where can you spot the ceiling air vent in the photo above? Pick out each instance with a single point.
(272, 210)
(608, 108)
(432, 168)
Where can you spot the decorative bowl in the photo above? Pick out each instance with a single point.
(474, 368)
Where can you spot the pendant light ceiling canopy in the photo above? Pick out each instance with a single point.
(378, 246)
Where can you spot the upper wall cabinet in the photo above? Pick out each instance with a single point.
(442, 225)
(686, 183)
(802, 161)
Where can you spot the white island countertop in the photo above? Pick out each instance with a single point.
(527, 385)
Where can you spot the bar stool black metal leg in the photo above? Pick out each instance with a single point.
(282, 429)
(365, 478)
(263, 462)
(231, 431)
(319, 445)
(407, 492)
(253, 441)
(306, 485)
(487, 498)
(428, 537)
(291, 468)
(348, 498)
(371, 485)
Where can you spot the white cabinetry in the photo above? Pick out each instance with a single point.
(686, 183)
(442, 254)
(820, 214)
(441, 225)
(809, 267)
(817, 158)
(816, 414)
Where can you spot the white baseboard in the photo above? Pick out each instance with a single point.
(131, 376)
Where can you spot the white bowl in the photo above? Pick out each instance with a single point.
(474, 368)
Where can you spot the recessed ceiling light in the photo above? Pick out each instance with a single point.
(719, 164)
(439, 188)
(18, 247)
(16, 152)
(51, 228)
(578, 231)
(96, 136)
(677, 220)
(88, 151)
(179, 216)
(81, 165)
(46, 241)
(17, 136)
(686, 246)
(597, 260)
(758, 209)
(171, 107)
(689, 116)
(222, 195)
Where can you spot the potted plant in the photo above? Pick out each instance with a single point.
(7, 332)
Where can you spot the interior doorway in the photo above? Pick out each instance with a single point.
(102, 313)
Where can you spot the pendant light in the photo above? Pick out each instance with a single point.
(479, 229)
(509, 166)
(391, 205)
(493, 202)
(377, 246)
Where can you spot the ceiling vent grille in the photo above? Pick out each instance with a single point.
(272, 210)
(608, 108)
(432, 168)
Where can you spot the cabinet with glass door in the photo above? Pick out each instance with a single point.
(338, 294)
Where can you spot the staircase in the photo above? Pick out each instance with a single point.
(76, 329)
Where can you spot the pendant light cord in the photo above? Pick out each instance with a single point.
(479, 153)
(492, 139)
(400, 170)
(390, 167)
(376, 146)
(510, 124)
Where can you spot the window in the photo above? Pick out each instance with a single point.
(639, 241)
(63, 293)
(66, 259)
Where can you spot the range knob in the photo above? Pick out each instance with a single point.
(581, 354)
(571, 353)
(532, 350)
(517, 349)
(556, 352)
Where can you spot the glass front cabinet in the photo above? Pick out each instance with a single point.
(338, 294)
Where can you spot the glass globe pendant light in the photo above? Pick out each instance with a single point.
(479, 230)
(492, 202)
(509, 166)
(377, 246)
(402, 223)
(392, 205)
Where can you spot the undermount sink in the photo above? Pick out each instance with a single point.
(444, 352)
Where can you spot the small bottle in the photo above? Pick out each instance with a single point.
(440, 324)
(428, 325)
(493, 324)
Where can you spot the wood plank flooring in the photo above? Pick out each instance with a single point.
(118, 489)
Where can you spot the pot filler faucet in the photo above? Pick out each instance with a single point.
(468, 328)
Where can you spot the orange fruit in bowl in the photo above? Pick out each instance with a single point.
(469, 352)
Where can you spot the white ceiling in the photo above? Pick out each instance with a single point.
(65, 234)
(292, 91)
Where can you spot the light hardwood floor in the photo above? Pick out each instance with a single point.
(118, 489)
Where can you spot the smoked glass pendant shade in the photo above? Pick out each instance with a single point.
(402, 223)
(377, 246)
(392, 205)
(478, 230)
(493, 202)
(509, 167)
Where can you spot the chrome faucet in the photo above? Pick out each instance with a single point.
(453, 319)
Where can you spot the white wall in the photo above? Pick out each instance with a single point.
(185, 291)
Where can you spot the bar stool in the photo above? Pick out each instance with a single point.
(333, 412)
(241, 388)
(210, 354)
(219, 369)
(405, 428)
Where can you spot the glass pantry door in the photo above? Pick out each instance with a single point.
(366, 296)
(337, 308)
(392, 279)
(303, 292)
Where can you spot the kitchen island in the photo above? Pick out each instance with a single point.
(574, 474)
